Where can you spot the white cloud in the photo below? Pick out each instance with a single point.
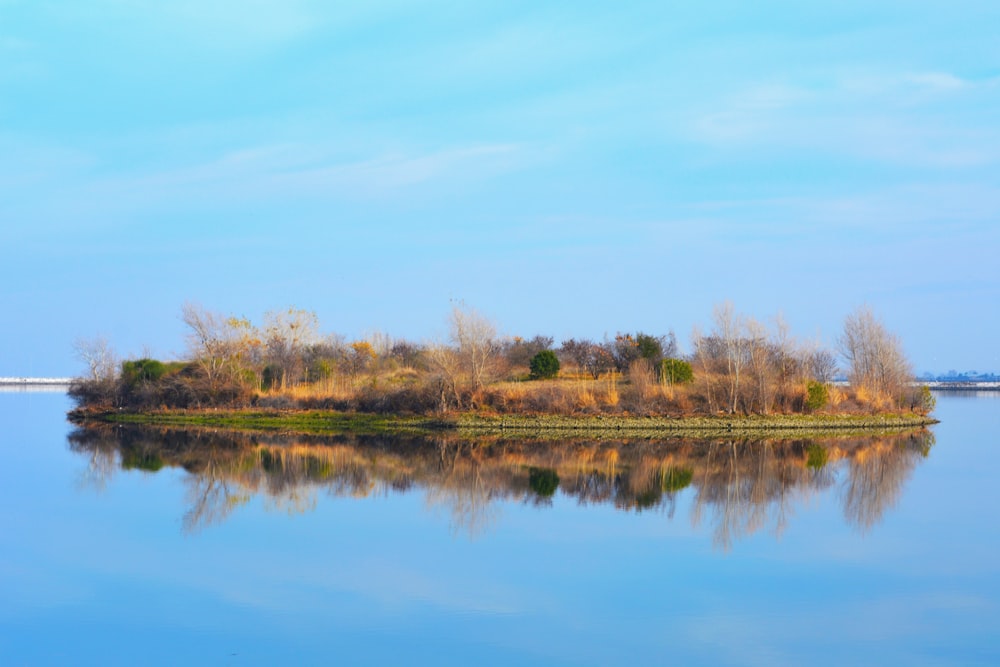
(62, 189)
(875, 117)
(940, 81)
(215, 25)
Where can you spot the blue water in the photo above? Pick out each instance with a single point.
(105, 566)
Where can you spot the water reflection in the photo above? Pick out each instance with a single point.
(736, 487)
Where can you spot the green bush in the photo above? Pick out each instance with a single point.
(142, 370)
(923, 400)
(817, 395)
(543, 365)
(676, 371)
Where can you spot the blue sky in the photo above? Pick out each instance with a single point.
(572, 169)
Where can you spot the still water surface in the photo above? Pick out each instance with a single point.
(124, 547)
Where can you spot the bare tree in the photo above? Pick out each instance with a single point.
(447, 363)
(99, 357)
(590, 357)
(822, 365)
(875, 358)
(476, 338)
(219, 345)
(288, 335)
(729, 330)
(760, 357)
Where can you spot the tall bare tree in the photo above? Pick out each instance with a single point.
(288, 335)
(476, 338)
(875, 357)
(729, 330)
(219, 345)
(760, 358)
(99, 357)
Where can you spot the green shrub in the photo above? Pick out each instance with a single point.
(676, 371)
(923, 400)
(817, 395)
(142, 370)
(543, 365)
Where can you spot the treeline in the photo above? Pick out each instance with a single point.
(740, 366)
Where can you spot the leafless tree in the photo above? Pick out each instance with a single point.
(591, 357)
(875, 358)
(729, 330)
(822, 365)
(99, 357)
(761, 357)
(519, 351)
(288, 334)
(447, 364)
(476, 339)
(219, 345)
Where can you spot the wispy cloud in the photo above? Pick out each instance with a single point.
(218, 25)
(295, 170)
(883, 118)
(234, 180)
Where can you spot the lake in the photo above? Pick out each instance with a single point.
(124, 546)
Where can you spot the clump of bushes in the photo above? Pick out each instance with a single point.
(142, 370)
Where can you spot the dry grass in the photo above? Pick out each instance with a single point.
(637, 393)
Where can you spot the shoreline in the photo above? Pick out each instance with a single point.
(332, 422)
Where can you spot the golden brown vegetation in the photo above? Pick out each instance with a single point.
(741, 366)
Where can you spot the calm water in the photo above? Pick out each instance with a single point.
(124, 548)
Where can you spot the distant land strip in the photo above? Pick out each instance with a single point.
(30, 381)
(962, 386)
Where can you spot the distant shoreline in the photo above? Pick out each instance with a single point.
(962, 386)
(33, 381)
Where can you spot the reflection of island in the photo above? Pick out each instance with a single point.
(741, 486)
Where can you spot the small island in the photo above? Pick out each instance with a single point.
(741, 377)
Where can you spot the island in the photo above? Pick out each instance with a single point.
(742, 376)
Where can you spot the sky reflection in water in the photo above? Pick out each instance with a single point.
(448, 552)
(737, 486)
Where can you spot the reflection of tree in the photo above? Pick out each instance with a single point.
(211, 499)
(876, 478)
(746, 486)
(467, 488)
(102, 458)
(738, 487)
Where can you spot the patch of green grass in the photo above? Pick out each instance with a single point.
(325, 422)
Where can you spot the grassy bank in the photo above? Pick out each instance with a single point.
(323, 422)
